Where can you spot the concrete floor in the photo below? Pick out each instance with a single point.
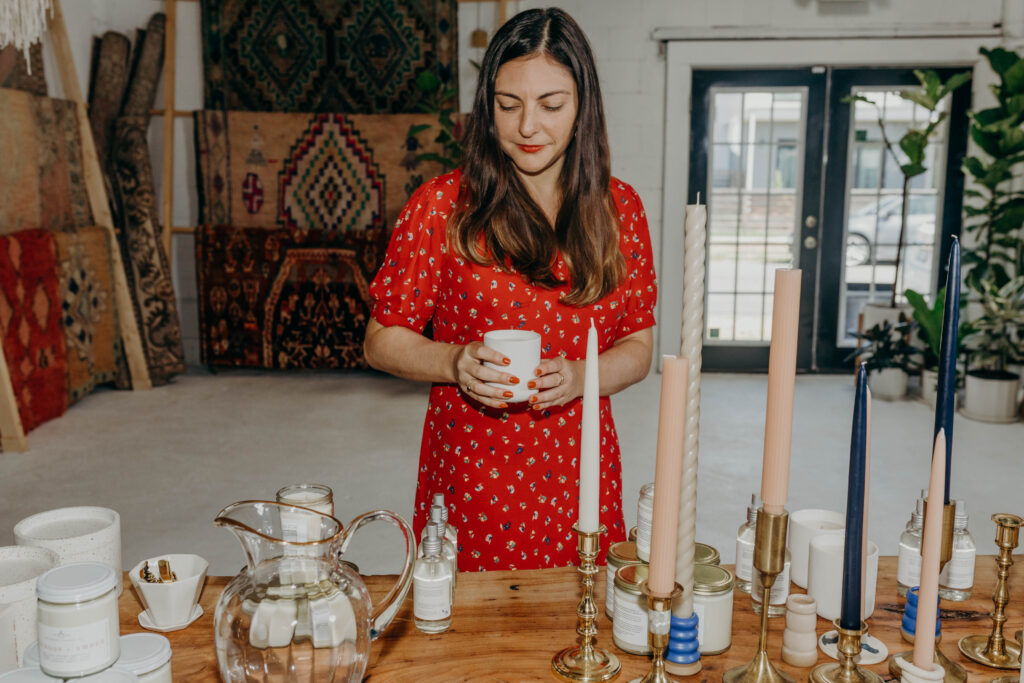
(168, 460)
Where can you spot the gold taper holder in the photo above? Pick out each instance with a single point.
(659, 623)
(948, 517)
(995, 650)
(769, 559)
(846, 669)
(584, 661)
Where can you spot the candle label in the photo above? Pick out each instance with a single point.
(74, 648)
(431, 599)
(959, 571)
(630, 625)
(659, 622)
(780, 589)
(609, 593)
(744, 560)
(908, 566)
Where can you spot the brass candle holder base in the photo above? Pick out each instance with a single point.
(769, 559)
(585, 662)
(994, 650)
(659, 622)
(954, 673)
(845, 670)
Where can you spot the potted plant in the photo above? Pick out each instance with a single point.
(929, 333)
(910, 159)
(996, 339)
(888, 356)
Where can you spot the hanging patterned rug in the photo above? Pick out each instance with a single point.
(14, 69)
(30, 325)
(303, 204)
(325, 55)
(94, 352)
(107, 88)
(48, 190)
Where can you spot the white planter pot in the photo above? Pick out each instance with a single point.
(991, 399)
(889, 384)
(878, 313)
(929, 384)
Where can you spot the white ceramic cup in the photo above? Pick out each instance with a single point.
(803, 526)
(171, 604)
(522, 347)
(19, 569)
(825, 576)
(8, 643)
(76, 534)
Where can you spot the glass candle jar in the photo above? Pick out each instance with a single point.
(78, 619)
(712, 603)
(779, 592)
(644, 516)
(629, 631)
(705, 554)
(148, 656)
(619, 555)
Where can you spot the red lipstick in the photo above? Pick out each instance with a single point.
(531, 149)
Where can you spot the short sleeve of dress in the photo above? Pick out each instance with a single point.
(404, 291)
(635, 241)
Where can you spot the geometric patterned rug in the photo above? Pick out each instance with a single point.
(30, 325)
(353, 56)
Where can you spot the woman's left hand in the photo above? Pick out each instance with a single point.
(557, 381)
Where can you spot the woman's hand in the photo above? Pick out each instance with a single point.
(472, 375)
(558, 381)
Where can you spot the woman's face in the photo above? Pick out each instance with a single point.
(534, 112)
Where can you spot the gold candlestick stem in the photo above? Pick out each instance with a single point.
(995, 650)
(659, 622)
(769, 559)
(846, 669)
(584, 661)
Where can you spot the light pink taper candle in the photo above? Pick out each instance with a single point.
(928, 593)
(590, 439)
(778, 426)
(667, 472)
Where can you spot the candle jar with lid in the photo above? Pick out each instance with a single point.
(619, 555)
(629, 631)
(779, 593)
(78, 623)
(908, 558)
(745, 547)
(957, 577)
(706, 554)
(712, 603)
(148, 656)
(644, 517)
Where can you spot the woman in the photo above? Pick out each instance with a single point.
(531, 233)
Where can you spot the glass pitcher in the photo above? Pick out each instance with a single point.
(296, 612)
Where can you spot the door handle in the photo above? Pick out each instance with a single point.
(810, 242)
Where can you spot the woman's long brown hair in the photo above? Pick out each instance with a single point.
(495, 220)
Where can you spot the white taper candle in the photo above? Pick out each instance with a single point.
(590, 440)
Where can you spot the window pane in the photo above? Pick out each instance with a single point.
(727, 166)
(749, 317)
(723, 215)
(719, 315)
(757, 116)
(721, 267)
(728, 124)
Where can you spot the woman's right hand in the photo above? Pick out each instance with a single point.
(472, 375)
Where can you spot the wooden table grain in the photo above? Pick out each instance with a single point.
(507, 625)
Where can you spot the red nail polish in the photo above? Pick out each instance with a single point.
(537, 372)
(503, 405)
(507, 394)
(506, 361)
(514, 380)
(531, 384)
(533, 399)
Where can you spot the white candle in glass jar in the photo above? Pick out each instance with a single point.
(78, 622)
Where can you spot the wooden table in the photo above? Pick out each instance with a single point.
(507, 626)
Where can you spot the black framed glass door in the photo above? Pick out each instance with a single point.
(795, 177)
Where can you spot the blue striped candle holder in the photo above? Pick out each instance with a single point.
(682, 641)
(909, 623)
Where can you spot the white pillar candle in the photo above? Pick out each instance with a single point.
(590, 440)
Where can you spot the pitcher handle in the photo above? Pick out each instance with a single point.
(385, 610)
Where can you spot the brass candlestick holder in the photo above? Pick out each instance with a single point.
(845, 670)
(659, 622)
(584, 661)
(954, 673)
(994, 650)
(769, 559)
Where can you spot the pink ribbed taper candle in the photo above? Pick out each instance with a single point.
(778, 426)
(667, 472)
(931, 546)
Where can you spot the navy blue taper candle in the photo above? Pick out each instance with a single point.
(849, 616)
(945, 395)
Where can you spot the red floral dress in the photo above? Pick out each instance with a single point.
(510, 477)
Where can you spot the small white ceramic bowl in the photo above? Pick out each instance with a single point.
(76, 534)
(171, 604)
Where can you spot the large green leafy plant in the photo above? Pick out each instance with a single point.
(997, 337)
(914, 143)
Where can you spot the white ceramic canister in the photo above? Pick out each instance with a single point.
(644, 516)
(111, 675)
(76, 534)
(147, 655)
(78, 619)
(629, 630)
(20, 568)
(712, 603)
(619, 555)
(27, 674)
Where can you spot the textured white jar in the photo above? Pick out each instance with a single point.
(76, 534)
(20, 568)
(148, 656)
(78, 619)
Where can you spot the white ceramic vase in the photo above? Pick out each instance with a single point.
(991, 399)
(889, 384)
(800, 639)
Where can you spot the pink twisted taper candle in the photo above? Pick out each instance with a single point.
(694, 254)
